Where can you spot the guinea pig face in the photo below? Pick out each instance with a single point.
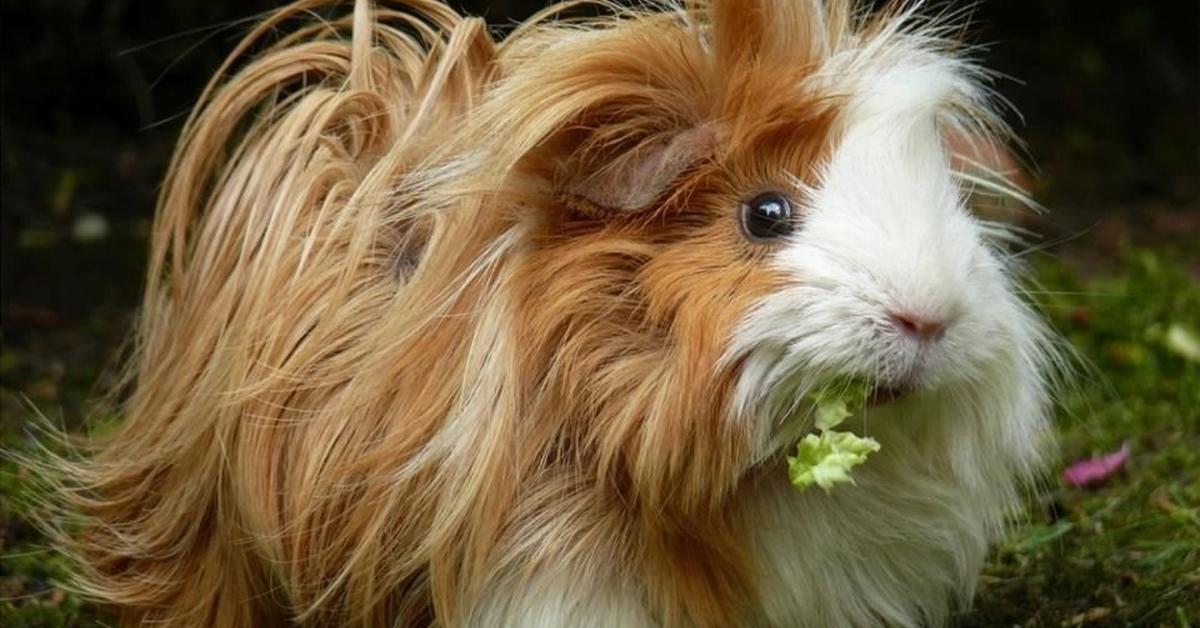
(884, 273)
(804, 224)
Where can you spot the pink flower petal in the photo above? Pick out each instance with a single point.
(1087, 472)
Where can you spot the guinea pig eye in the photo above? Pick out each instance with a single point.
(767, 216)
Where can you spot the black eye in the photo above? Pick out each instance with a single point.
(767, 216)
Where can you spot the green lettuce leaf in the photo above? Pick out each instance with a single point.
(826, 459)
(837, 401)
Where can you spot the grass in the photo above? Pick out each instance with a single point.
(1124, 554)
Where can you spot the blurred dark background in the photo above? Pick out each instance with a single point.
(94, 94)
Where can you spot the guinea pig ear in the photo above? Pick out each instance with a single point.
(791, 32)
(632, 179)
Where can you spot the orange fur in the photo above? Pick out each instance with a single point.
(382, 365)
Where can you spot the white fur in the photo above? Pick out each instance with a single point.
(560, 599)
(885, 230)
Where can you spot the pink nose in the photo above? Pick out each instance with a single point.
(919, 327)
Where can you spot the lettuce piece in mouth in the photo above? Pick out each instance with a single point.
(837, 401)
(825, 459)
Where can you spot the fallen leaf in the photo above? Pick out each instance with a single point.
(1081, 316)
(89, 227)
(1184, 342)
(1091, 615)
(1094, 470)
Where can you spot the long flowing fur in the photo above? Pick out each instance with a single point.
(384, 377)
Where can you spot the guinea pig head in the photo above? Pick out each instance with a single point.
(735, 211)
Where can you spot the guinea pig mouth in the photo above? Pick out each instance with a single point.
(882, 395)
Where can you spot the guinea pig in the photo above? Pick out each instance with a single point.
(444, 329)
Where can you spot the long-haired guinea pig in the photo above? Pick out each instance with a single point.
(444, 329)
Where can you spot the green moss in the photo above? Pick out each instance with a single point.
(1128, 552)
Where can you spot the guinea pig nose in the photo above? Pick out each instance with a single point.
(920, 327)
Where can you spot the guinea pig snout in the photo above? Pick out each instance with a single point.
(923, 314)
(917, 340)
(926, 328)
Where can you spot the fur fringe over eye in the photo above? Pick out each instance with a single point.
(420, 344)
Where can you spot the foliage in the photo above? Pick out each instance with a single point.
(1126, 553)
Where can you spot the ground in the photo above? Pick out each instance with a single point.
(1125, 553)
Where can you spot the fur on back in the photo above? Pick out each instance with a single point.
(388, 374)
